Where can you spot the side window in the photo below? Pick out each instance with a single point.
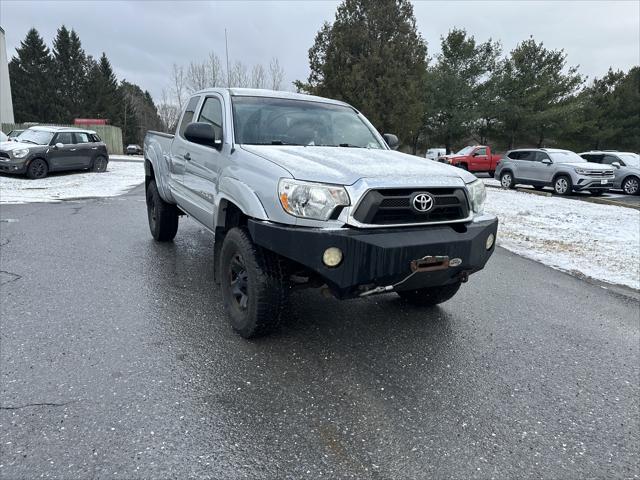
(82, 137)
(514, 155)
(66, 138)
(187, 118)
(481, 151)
(528, 156)
(542, 156)
(609, 159)
(212, 113)
(95, 137)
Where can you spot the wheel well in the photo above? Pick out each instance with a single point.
(38, 158)
(561, 174)
(230, 216)
(148, 173)
(506, 170)
(631, 175)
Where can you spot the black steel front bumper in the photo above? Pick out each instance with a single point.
(381, 257)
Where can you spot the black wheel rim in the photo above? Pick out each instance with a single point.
(38, 169)
(239, 282)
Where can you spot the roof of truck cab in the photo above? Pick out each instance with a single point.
(257, 92)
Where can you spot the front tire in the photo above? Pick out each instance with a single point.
(37, 169)
(631, 186)
(254, 289)
(163, 216)
(431, 296)
(562, 185)
(506, 180)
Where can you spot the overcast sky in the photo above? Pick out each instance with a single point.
(143, 38)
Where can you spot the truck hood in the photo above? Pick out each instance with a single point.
(345, 166)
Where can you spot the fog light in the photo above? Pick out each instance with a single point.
(490, 239)
(332, 257)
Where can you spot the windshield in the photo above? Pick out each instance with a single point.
(566, 157)
(39, 137)
(465, 151)
(280, 121)
(630, 159)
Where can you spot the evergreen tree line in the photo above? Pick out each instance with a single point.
(60, 84)
(373, 57)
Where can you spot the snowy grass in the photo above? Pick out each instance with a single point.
(593, 240)
(118, 179)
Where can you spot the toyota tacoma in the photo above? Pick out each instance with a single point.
(302, 191)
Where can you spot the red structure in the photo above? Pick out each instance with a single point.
(90, 121)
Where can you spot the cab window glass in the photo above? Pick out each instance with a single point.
(66, 138)
(212, 113)
(187, 118)
(481, 151)
(82, 137)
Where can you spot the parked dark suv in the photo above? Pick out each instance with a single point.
(40, 150)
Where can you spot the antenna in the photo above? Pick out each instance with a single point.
(226, 46)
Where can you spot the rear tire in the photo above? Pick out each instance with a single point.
(463, 166)
(37, 169)
(631, 186)
(491, 173)
(506, 180)
(562, 185)
(254, 289)
(163, 216)
(99, 164)
(428, 297)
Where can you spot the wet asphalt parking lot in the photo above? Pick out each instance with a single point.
(116, 361)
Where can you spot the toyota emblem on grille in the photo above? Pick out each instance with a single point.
(422, 202)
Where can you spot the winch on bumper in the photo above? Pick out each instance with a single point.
(379, 260)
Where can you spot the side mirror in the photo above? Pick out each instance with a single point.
(616, 164)
(202, 133)
(546, 161)
(59, 145)
(391, 140)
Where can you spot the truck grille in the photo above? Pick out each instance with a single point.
(395, 206)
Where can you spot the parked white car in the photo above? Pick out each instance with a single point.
(435, 153)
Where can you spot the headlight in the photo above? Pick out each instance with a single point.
(20, 152)
(581, 171)
(477, 195)
(311, 200)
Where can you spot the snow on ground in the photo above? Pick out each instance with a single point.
(594, 240)
(118, 179)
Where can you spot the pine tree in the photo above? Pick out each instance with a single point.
(455, 86)
(70, 65)
(30, 73)
(373, 57)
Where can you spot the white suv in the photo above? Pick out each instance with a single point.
(563, 170)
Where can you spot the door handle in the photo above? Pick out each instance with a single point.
(187, 156)
(94, 148)
(73, 149)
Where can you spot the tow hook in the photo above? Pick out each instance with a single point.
(464, 276)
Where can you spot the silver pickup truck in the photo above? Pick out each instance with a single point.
(302, 191)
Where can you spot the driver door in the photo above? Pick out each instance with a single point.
(62, 158)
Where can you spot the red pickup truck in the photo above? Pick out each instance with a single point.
(477, 158)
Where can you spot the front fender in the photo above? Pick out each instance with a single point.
(240, 194)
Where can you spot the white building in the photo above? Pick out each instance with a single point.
(6, 104)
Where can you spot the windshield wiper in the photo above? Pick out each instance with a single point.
(29, 141)
(349, 145)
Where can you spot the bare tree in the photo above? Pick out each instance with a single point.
(239, 75)
(197, 77)
(258, 76)
(168, 113)
(178, 85)
(215, 71)
(276, 74)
